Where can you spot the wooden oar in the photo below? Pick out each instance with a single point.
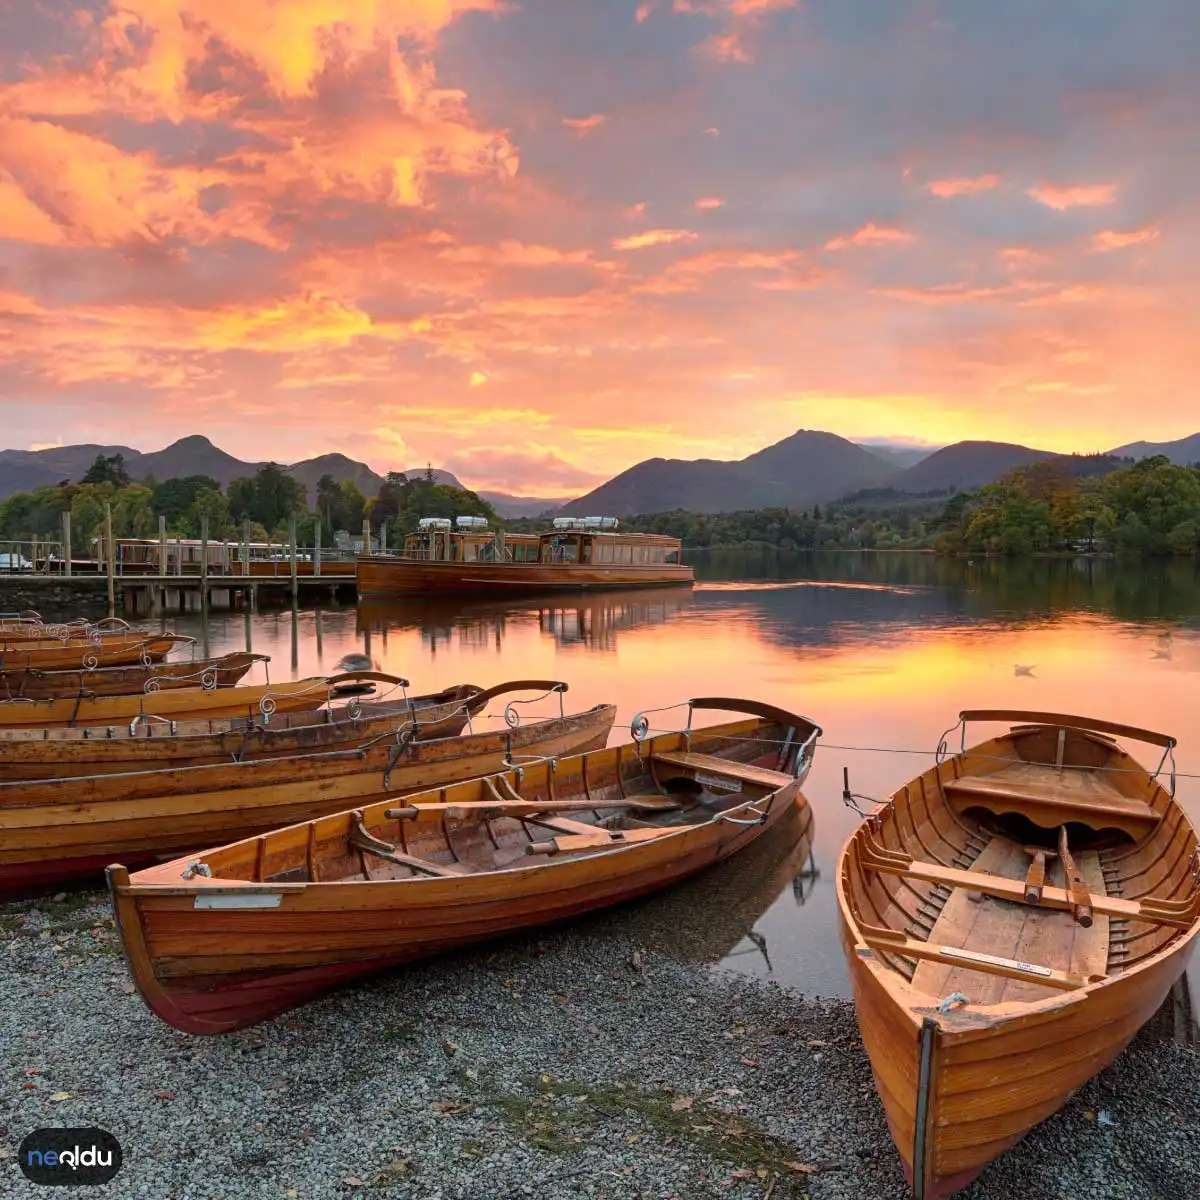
(601, 839)
(487, 809)
(1081, 898)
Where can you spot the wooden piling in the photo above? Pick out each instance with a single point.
(203, 561)
(295, 575)
(110, 551)
(66, 537)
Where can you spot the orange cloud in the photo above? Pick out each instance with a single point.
(584, 125)
(654, 237)
(1084, 196)
(744, 24)
(708, 202)
(1118, 239)
(962, 187)
(870, 235)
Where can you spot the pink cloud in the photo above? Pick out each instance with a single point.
(870, 235)
(1118, 239)
(1079, 196)
(584, 125)
(962, 187)
(654, 237)
(708, 202)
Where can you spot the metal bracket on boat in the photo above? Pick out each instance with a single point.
(90, 662)
(146, 718)
(851, 800)
(760, 815)
(194, 868)
(512, 718)
(267, 707)
(1168, 756)
(404, 741)
(639, 727)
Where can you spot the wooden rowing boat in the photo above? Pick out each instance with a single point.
(32, 626)
(155, 745)
(249, 700)
(75, 654)
(225, 671)
(1011, 918)
(58, 829)
(250, 929)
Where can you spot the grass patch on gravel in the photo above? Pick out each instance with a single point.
(552, 1114)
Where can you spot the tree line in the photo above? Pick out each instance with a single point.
(268, 500)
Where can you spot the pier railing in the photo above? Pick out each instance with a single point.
(32, 557)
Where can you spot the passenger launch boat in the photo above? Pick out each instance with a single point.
(54, 830)
(581, 553)
(1011, 918)
(153, 744)
(240, 933)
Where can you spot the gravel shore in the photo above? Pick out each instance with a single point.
(572, 1063)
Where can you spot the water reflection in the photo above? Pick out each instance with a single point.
(590, 621)
(883, 656)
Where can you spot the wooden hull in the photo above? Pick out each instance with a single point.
(57, 829)
(175, 703)
(210, 965)
(383, 576)
(222, 672)
(969, 1052)
(76, 655)
(67, 753)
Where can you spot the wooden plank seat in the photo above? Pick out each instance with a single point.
(1152, 910)
(989, 964)
(1050, 798)
(710, 764)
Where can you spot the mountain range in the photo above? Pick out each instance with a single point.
(806, 468)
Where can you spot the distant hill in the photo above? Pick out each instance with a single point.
(27, 470)
(898, 456)
(194, 455)
(810, 467)
(524, 506)
(309, 473)
(1185, 451)
(967, 465)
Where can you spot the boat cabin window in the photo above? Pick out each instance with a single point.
(563, 548)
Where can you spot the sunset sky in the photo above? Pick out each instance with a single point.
(536, 241)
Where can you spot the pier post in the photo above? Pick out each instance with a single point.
(66, 537)
(383, 538)
(110, 554)
(317, 547)
(203, 562)
(162, 546)
(295, 574)
(246, 548)
(366, 535)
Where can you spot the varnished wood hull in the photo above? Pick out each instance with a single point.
(997, 1066)
(66, 753)
(76, 655)
(207, 971)
(58, 828)
(222, 672)
(381, 577)
(172, 704)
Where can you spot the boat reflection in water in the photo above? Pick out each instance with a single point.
(711, 918)
(590, 622)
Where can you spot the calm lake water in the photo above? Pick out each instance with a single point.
(881, 650)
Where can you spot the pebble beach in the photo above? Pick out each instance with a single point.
(576, 1062)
